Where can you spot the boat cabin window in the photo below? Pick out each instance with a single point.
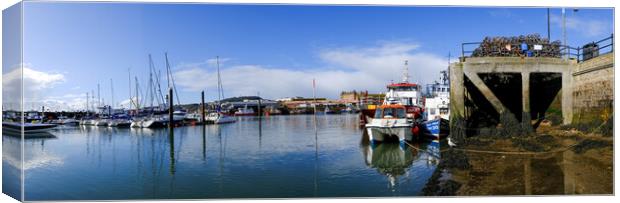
(412, 88)
(379, 113)
(390, 113)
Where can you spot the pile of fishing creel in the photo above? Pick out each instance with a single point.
(511, 46)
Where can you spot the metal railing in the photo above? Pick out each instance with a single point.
(469, 49)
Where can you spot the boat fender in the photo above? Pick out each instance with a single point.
(415, 130)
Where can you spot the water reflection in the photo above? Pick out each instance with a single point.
(390, 159)
(35, 157)
(394, 160)
(277, 156)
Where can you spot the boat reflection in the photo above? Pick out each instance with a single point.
(394, 159)
(390, 159)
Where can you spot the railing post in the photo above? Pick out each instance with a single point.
(612, 42)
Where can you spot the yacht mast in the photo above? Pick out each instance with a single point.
(87, 107)
(112, 88)
(171, 79)
(220, 88)
(137, 95)
(130, 99)
(98, 96)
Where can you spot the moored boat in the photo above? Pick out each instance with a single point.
(219, 118)
(245, 111)
(14, 127)
(435, 129)
(389, 123)
(437, 104)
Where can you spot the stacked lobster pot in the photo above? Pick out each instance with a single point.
(531, 45)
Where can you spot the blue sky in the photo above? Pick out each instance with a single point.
(272, 49)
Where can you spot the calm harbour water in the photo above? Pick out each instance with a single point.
(275, 157)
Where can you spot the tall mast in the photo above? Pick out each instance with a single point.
(92, 96)
(157, 77)
(167, 69)
(219, 80)
(406, 73)
(87, 108)
(137, 96)
(98, 96)
(130, 99)
(171, 79)
(150, 89)
(112, 88)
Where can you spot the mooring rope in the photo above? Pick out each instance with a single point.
(501, 152)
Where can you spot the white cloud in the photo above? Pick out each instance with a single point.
(35, 83)
(587, 27)
(348, 68)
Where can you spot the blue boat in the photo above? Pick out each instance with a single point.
(435, 129)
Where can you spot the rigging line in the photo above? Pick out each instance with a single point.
(161, 95)
(172, 79)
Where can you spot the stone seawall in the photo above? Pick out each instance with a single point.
(593, 90)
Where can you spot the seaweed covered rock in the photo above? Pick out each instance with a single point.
(590, 144)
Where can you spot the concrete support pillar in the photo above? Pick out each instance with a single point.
(567, 97)
(525, 91)
(457, 88)
(457, 102)
(526, 117)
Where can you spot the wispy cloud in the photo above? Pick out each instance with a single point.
(587, 27)
(347, 68)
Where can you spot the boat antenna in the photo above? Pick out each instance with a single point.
(406, 72)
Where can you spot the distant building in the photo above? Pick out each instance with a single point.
(355, 96)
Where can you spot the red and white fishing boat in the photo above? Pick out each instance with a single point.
(400, 113)
(407, 94)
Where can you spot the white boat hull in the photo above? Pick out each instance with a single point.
(381, 134)
(225, 119)
(102, 123)
(136, 124)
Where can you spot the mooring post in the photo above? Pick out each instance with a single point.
(170, 110)
(259, 108)
(202, 107)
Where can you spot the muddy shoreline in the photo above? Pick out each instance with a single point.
(554, 161)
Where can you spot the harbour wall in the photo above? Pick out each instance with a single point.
(592, 86)
(513, 95)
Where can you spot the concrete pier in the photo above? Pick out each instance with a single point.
(507, 95)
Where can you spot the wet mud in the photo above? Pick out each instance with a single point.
(554, 161)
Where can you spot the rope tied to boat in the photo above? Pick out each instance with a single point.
(501, 152)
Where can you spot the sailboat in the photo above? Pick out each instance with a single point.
(156, 118)
(218, 117)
